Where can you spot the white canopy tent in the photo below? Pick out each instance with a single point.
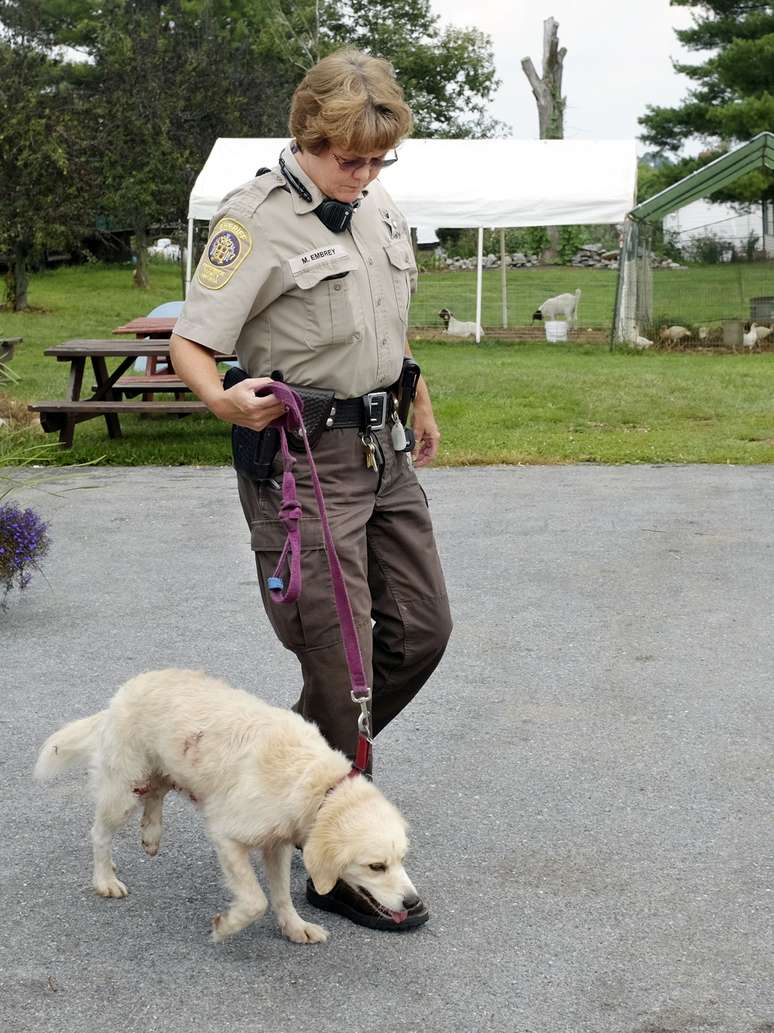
(463, 183)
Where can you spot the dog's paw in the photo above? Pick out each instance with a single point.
(304, 932)
(111, 888)
(150, 846)
(150, 836)
(220, 929)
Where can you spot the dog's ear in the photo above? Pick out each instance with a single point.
(322, 862)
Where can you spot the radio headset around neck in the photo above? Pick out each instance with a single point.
(335, 215)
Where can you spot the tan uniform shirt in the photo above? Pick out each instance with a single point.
(270, 286)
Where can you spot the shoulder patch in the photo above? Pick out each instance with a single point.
(229, 245)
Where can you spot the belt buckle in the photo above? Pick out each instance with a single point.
(375, 404)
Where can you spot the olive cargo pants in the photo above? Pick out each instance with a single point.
(384, 540)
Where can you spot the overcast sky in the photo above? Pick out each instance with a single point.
(618, 59)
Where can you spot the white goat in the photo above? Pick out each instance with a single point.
(562, 307)
(456, 328)
(673, 333)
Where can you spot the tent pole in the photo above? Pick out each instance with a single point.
(503, 280)
(189, 257)
(479, 283)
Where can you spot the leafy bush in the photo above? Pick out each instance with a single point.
(666, 244)
(710, 249)
(529, 240)
(571, 238)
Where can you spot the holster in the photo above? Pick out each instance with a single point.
(318, 403)
(253, 451)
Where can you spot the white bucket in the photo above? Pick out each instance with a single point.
(556, 330)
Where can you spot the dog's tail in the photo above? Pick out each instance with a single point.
(72, 744)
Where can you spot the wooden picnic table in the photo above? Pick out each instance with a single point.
(155, 327)
(148, 326)
(107, 398)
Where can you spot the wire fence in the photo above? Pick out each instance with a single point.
(510, 311)
(727, 302)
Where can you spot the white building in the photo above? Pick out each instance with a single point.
(726, 222)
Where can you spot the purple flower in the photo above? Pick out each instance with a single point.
(24, 542)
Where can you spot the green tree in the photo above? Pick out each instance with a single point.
(166, 82)
(160, 81)
(44, 171)
(732, 97)
(447, 72)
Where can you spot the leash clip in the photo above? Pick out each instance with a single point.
(365, 739)
(364, 718)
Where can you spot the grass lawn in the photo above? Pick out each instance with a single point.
(500, 402)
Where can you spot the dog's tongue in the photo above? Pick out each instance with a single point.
(399, 916)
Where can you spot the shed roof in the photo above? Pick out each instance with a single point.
(757, 153)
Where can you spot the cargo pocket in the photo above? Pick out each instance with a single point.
(334, 314)
(310, 622)
(400, 258)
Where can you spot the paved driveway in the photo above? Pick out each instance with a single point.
(588, 775)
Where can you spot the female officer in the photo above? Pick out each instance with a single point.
(309, 270)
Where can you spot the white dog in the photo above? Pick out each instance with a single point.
(261, 776)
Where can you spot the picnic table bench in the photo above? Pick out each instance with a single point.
(7, 352)
(147, 385)
(107, 398)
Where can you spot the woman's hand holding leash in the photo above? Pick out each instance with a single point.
(240, 404)
(195, 365)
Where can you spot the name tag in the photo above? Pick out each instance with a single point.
(312, 258)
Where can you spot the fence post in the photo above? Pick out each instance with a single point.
(503, 280)
(479, 282)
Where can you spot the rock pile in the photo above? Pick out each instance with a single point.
(522, 261)
(517, 261)
(595, 256)
(590, 256)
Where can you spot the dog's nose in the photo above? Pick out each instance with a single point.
(410, 901)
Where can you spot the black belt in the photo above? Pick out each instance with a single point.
(369, 412)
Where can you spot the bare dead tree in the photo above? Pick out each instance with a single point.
(548, 89)
(550, 103)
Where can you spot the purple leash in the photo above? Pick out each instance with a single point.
(290, 515)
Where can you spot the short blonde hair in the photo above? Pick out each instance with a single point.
(351, 100)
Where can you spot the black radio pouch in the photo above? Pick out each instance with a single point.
(253, 451)
(318, 403)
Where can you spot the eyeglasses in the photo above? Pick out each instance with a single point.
(355, 164)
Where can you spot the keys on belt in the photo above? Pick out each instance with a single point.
(376, 407)
(372, 457)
